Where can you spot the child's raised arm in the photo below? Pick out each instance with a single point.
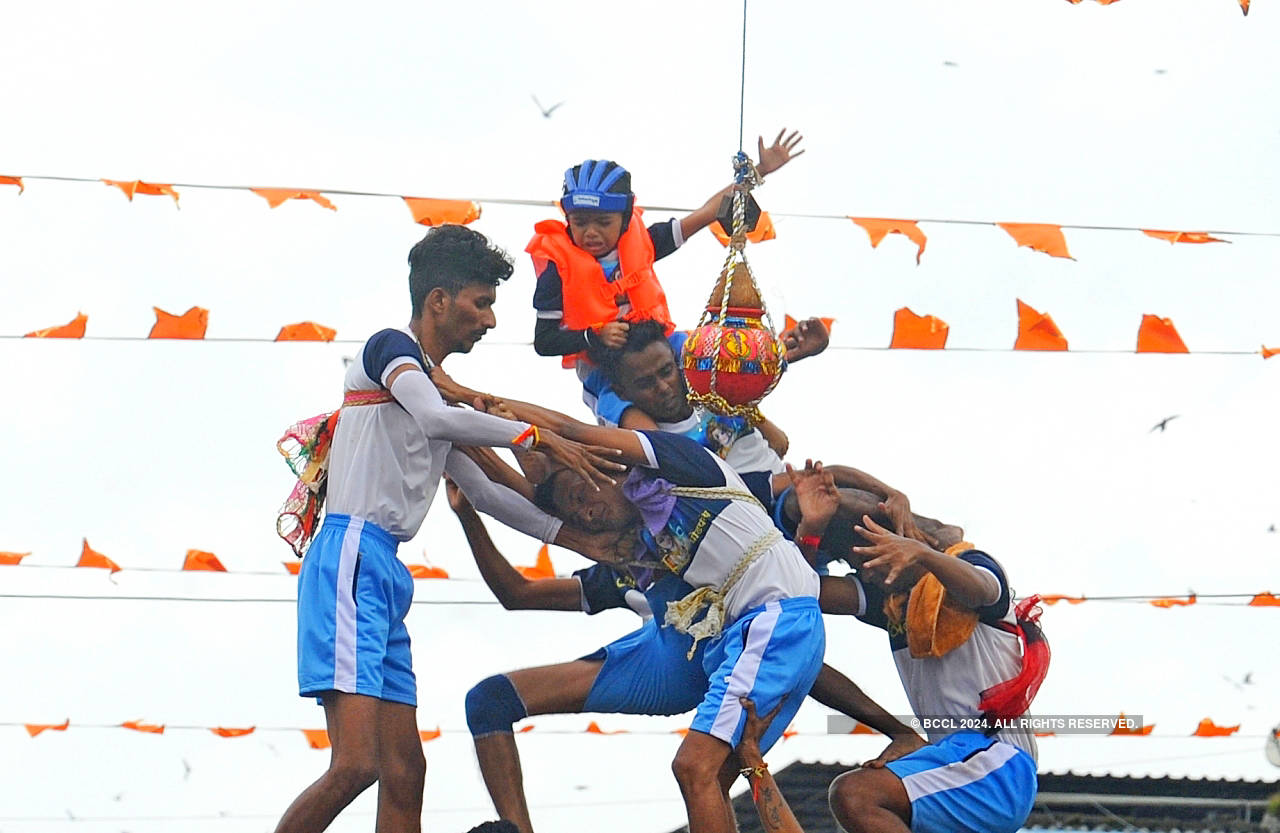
(782, 151)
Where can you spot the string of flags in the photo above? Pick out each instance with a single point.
(1036, 331)
(1244, 4)
(542, 568)
(319, 738)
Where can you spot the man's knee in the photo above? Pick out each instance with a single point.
(494, 705)
(350, 778)
(850, 797)
(691, 768)
(404, 773)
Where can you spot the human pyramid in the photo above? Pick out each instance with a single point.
(694, 522)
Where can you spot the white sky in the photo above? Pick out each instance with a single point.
(1052, 113)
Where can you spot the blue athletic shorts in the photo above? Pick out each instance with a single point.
(968, 783)
(353, 595)
(646, 672)
(772, 654)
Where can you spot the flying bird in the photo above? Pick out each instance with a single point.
(950, 64)
(1271, 528)
(347, 360)
(546, 111)
(186, 770)
(1164, 423)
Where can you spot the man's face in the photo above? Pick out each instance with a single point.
(577, 503)
(651, 379)
(596, 232)
(468, 316)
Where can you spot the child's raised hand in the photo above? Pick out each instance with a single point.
(779, 153)
(614, 334)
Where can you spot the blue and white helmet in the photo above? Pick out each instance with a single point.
(589, 189)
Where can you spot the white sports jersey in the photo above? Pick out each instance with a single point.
(951, 686)
(386, 460)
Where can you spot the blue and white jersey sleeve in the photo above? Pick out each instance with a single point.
(680, 460)
(604, 588)
(999, 609)
(387, 350)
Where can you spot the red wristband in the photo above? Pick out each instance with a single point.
(809, 544)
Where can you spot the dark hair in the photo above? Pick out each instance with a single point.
(503, 826)
(544, 494)
(640, 335)
(451, 257)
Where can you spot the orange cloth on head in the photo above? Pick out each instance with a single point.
(590, 300)
(935, 627)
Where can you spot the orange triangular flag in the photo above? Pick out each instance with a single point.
(34, 729)
(13, 180)
(317, 738)
(788, 322)
(292, 567)
(191, 324)
(429, 212)
(593, 728)
(681, 732)
(789, 733)
(1036, 331)
(525, 728)
(1157, 335)
(429, 734)
(877, 229)
(542, 568)
(1125, 730)
(919, 331)
(223, 732)
(92, 558)
(139, 726)
(306, 331)
(1168, 603)
(1046, 734)
(12, 559)
(1043, 237)
(1183, 236)
(1268, 352)
(1264, 600)
(427, 571)
(137, 186)
(862, 729)
(1244, 7)
(275, 196)
(72, 329)
(763, 231)
(200, 560)
(1209, 729)
(1053, 600)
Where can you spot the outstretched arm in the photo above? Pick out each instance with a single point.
(513, 590)
(771, 159)
(890, 554)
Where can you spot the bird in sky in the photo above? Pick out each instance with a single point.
(1164, 423)
(546, 111)
(186, 770)
(950, 64)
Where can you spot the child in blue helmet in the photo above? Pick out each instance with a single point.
(595, 272)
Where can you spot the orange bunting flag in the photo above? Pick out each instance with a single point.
(1209, 729)
(72, 329)
(13, 180)
(1053, 600)
(90, 557)
(1268, 352)
(34, 729)
(191, 324)
(1157, 335)
(1046, 734)
(427, 571)
(316, 738)
(860, 728)
(12, 559)
(275, 196)
(542, 568)
(199, 560)
(523, 729)
(1042, 237)
(684, 733)
(1264, 600)
(593, 728)
(877, 229)
(223, 732)
(137, 186)
(429, 212)
(763, 231)
(429, 734)
(1036, 331)
(306, 331)
(139, 726)
(1183, 236)
(292, 567)
(789, 733)
(1244, 7)
(789, 323)
(1123, 729)
(1168, 603)
(922, 332)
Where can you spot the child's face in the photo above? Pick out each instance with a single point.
(596, 232)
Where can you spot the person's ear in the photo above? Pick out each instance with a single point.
(437, 301)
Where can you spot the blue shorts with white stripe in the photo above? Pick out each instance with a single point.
(353, 596)
(968, 783)
(771, 654)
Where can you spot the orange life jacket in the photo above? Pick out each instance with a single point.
(590, 300)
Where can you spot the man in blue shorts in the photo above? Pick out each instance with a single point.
(389, 448)
(979, 662)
